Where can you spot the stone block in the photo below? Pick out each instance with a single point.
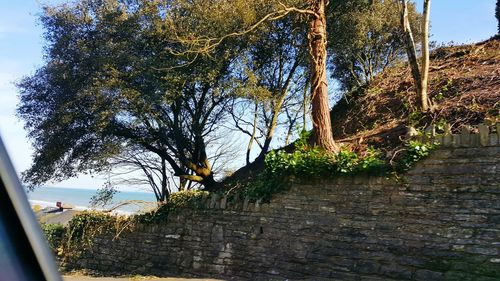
(475, 140)
(484, 132)
(367, 266)
(396, 271)
(223, 202)
(494, 140)
(497, 126)
(426, 275)
(455, 140)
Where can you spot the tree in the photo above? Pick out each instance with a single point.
(154, 171)
(111, 83)
(322, 127)
(424, 97)
(362, 45)
(419, 72)
(273, 75)
(314, 11)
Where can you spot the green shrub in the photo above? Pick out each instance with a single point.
(415, 117)
(84, 226)
(54, 234)
(263, 186)
(373, 163)
(302, 143)
(415, 151)
(346, 162)
(315, 163)
(307, 163)
(191, 199)
(87, 223)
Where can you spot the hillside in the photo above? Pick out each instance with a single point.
(464, 86)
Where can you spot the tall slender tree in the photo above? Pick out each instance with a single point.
(419, 72)
(424, 71)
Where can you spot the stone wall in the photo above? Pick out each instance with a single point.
(441, 221)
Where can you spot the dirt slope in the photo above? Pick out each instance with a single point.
(464, 86)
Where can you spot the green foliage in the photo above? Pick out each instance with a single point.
(415, 151)
(315, 163)
(447, 86)
(70, 241)
(302, 143)
(263, 186)
(281, 167)
(439, 97)
(360, 42)
(54, 234)
(103, 196)
(372, 162)
(415, 117)
(440, 125)
(309, 164)
(188, 199)
(346, 161)
(113, 81)
(88, 223)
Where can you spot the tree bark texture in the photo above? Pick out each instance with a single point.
(254, 132)
(322, 126)
(424, 73)
(411, 50)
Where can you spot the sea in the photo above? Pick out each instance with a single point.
(79, 198)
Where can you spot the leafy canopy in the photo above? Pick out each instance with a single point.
(112, 80)
(365, 37)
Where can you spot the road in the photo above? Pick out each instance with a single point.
(132, 278)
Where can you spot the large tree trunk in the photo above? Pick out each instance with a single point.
(425, 57)
(322, 127)
(210, 184)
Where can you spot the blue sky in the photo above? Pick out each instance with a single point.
(21, 43)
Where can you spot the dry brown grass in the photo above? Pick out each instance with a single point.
(464, 86)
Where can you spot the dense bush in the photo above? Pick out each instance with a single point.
(54, 234)
(312, 163)
(177, 201)
(415, 151)
(87, 223)
(307, 163)
(83, 227)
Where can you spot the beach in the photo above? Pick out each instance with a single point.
(43, 201)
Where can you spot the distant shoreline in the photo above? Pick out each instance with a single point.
(45, 204)
(80, 199)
